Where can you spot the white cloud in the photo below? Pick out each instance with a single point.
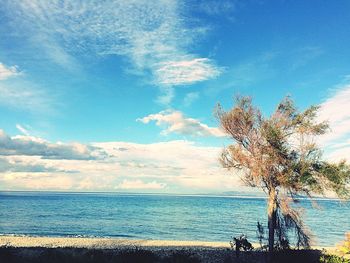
(37, 181)
(175, 122)
(140, 185)
(153, 35)
(336, 111)
(174, 166)
(33, 146)
(7, 72)
(181, 165)
(184, 72)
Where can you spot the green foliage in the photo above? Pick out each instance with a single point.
(338, 176)
(333, 259)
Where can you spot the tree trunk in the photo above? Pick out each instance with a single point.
(272, 213)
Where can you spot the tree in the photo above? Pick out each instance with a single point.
(279, 155)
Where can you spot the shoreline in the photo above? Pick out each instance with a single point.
(114, 243)
(103, 243)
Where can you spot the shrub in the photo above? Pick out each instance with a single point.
(240, 243)
(333, 259)
(345, 245)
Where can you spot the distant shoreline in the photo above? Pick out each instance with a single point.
(224, 194)
(238, 195)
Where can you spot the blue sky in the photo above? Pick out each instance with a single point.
(119, 95)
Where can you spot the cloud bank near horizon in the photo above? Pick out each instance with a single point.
(32, 163)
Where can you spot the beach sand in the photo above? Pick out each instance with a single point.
(102, 243)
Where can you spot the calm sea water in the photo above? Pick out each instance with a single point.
(205, 218)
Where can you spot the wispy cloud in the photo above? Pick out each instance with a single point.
(335, 109)
(302, 56)
(247, 73)
(218, 8)
(17, 93)
(182, 72)
(153, 36)
(190, 98)
(24, 95)
(167, 95)
(176, 122)
(7, 72)
(22, 129)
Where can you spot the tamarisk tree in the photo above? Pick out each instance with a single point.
(279, 155)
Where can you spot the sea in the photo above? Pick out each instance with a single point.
(157, 217)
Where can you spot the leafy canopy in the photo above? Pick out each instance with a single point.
(279, 154)
(280, 151)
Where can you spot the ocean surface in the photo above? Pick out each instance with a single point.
(163, 217)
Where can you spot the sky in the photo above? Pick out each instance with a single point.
(119, 95)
